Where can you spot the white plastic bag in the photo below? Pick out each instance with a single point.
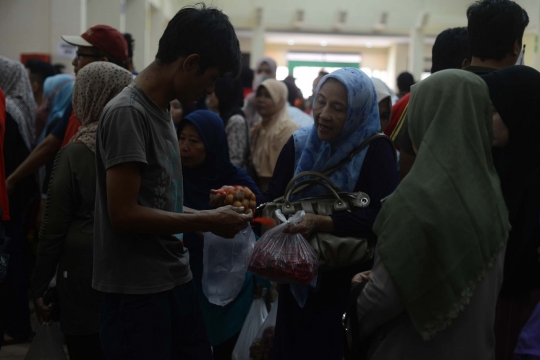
(48, 344)
(254, 320)
(261, 348)
(225, 264)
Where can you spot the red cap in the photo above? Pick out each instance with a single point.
(102, 37)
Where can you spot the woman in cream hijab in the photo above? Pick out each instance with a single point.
(271, 134)
(66, 235)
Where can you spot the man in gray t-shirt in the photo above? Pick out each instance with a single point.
(150, 308)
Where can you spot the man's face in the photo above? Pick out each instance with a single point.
(86, 55)
(191, 86)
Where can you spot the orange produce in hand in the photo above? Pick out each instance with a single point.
(238, 196)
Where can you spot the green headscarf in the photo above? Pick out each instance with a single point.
(446, 223)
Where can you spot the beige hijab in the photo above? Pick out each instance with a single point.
(268, 139)
(97, 83)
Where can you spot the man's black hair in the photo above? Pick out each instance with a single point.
(323, 73)
(112, 59)
(293, 92)
(450, 49)
(246, 77)
(494, 26)
(404, 82)
(230, 95)
(39, 70)
(130, 44)
(205, 31)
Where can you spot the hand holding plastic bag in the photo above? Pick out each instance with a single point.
(225, 264)
(47, 344)
(261, 349)
(283, 257)
(254, 320)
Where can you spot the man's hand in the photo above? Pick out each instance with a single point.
(43, 311)
(361, 277)
(216, 199)
(228, 221)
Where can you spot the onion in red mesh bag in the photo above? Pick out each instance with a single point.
(284, 258)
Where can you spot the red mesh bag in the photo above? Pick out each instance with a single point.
(284, 258)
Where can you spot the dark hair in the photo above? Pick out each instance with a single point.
(450, 49)
(246, 77)
(230, 95)
(39, 70)
(404, 82)
(494, 26)
(293, 92)
(323, 73)
(130, 44)
(111, 59)
(205, 31)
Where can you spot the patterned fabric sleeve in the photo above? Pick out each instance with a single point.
(237, 137)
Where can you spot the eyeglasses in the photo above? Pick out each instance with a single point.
(81, 55)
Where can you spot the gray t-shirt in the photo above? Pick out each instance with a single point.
(132, 128)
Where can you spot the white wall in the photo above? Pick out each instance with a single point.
(35, 26)
(24, 27)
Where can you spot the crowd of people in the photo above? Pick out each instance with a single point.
(109, 178)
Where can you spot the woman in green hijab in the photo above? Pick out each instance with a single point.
(442, 234)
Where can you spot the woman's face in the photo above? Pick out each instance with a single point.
(176, 111)
(385, 110)
(500, 131)
(265, 70)
(265, 105)
(330, 110)
(192, 150)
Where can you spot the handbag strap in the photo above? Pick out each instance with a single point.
(328, 172)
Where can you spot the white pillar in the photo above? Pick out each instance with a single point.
(416, 53)
(157, 28)
(397, 63)
(136, 26)
(536, 39)
(122, 27)
(391, 66)
(258, 39)
(66, 19)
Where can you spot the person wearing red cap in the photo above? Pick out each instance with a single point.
(99, 43)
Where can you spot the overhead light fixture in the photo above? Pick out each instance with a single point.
(342, 19)
(369, 45)
(324, 43)
(258, 16)
(383, 22)
(299, 20)
(423, 20)
(291, 42)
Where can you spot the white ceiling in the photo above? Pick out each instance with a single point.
(362, 16)
(339, 40)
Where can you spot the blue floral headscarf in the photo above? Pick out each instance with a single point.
(312, 154)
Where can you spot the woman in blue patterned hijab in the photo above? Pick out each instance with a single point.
(330, 139)
(346, 113)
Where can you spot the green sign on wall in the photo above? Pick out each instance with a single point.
(293, 64)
